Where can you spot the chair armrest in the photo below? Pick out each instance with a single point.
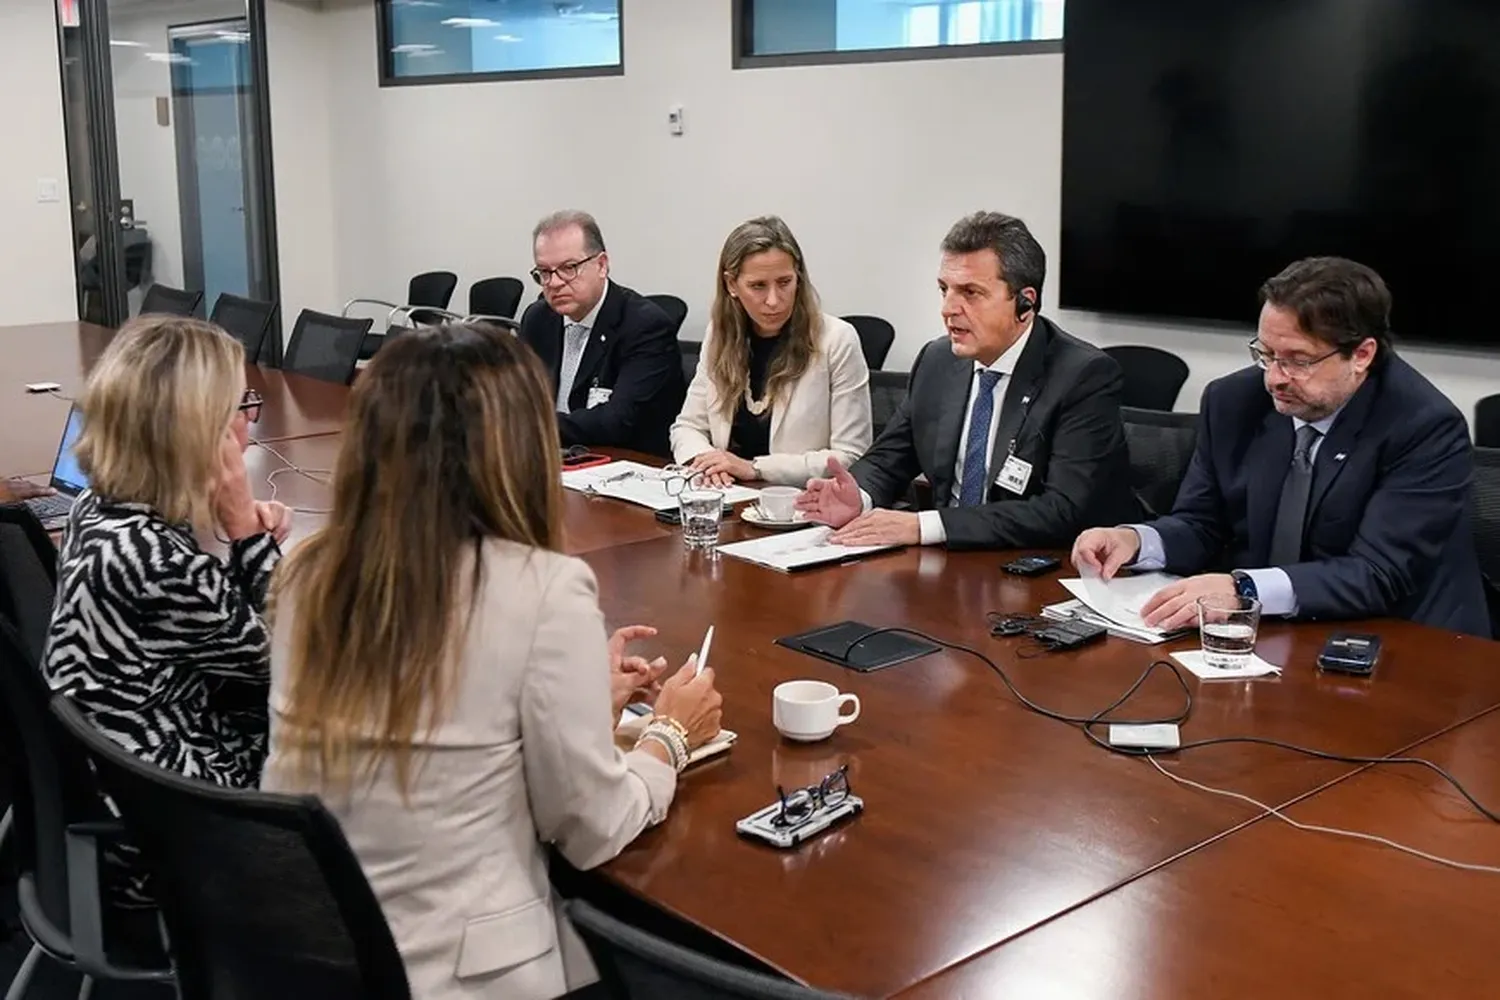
(409, 311)
(368, 302)
(504, 322)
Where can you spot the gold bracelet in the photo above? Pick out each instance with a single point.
(676, 726)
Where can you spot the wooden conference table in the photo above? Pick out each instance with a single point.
(1002, 853)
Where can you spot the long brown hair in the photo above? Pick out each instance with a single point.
(451, 440)
(729, 354)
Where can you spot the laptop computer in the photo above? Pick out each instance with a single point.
(67, 478)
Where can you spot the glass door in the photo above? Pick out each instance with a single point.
(174, 141)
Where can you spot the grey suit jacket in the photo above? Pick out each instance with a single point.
(1062, 410)
(525, 756)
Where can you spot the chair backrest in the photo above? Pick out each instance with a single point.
(163, 300)
(28, 576)
(1487, 422)
(51, 785)
(326, 347)
(691, 351)
(887, 390)
(635, 964)
(1161, 447)
(1153, 377)
(875, 337)
(1486, 487)
(261, 894)
(247, 320)
(496, 297)
(675, 308)
(432, 288)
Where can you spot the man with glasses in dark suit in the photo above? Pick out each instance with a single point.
(613, 355)
(1330, 480)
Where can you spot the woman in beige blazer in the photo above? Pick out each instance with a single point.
(781, 387)
(442, 680)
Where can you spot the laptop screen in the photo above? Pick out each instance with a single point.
(66, 475)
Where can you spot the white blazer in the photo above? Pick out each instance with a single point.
(825, 415)
(526, 756)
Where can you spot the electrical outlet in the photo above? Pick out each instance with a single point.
(48, 190)
(674, 119)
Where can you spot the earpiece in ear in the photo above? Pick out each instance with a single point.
(1024, 304)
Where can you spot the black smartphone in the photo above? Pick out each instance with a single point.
(1350, 653)
(1032, 565)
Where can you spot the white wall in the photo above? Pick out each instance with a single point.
(869, 164)
(36, 271)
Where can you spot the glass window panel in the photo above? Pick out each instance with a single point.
(438, 38)
(798, 27)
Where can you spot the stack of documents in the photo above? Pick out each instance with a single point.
(640, 484)
(1115, 604)
(798, 550)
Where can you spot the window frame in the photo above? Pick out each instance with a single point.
(740, 59)
(386, 61)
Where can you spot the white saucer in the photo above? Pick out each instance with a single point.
(751, 515)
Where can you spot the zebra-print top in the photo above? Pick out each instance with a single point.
(162, 644)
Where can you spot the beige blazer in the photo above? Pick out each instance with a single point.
(526, 756)
(826, 414)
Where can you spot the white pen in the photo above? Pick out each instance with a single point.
(708, 640)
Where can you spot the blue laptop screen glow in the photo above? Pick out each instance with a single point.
(65, 471)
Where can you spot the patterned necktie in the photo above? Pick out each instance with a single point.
(575, 339)
(975, 487)
(1291, 512)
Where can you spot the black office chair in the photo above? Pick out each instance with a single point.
(61, 830)
(875, 338)
(427, 298)
(247, 320)
(636, 965)
(675, 308)
(887, 390)
(1153, 377)
(1486, 487)
(430, 290)
(1487, 422)
(496, 297)
(691, 351)
(262, 896)
(326, 347)
(1161, 447)
(163, 300)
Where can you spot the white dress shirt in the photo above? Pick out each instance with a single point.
(1272, 585)
(930, 522)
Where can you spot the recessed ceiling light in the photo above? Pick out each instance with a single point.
(125, 43)
(471, 22)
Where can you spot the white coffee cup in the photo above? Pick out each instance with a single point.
(778, 503)
(809, 710)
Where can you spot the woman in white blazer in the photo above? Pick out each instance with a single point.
(781, 387)
(440, 675)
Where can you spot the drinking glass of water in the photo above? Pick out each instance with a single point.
(701, 510)
(1227, 626)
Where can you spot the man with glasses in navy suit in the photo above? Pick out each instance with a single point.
(1330, 480)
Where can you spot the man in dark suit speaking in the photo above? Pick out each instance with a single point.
(1331, 480)
(1015, 423)
(616, 367)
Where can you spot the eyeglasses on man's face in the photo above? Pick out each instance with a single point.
(567, 272)
(1292, 368)
(250, 404)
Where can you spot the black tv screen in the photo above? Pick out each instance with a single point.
(1208, 143)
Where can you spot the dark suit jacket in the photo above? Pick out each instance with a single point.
(1389, 524)
(633, 352)
(1063, 411)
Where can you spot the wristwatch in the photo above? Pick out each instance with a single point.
(1244, 585)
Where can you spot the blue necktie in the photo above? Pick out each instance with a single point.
(975, 486)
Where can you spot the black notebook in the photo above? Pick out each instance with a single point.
(846, 644)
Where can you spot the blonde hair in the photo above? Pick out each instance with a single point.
(451, 440)
(729, 353)
(155, 411)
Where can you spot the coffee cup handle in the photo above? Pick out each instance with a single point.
(848, 699)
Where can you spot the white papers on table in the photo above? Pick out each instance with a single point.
(1120, 600)
(1254, 667)
(635, 717)
(798, 549)
(1078, 611)
(638, 484)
